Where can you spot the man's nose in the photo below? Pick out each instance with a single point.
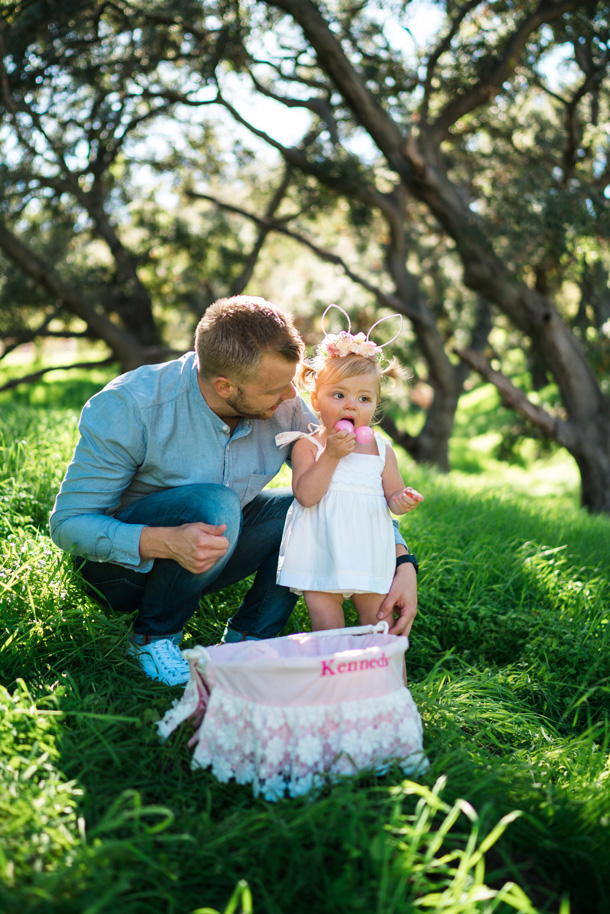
(289, 392)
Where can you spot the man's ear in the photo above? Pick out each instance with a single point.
(223, 387)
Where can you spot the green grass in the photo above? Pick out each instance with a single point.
(509, 665)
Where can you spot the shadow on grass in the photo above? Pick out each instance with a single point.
(138, 830)
(508, 664)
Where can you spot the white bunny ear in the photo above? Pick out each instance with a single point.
(387, 318)
(349, 323)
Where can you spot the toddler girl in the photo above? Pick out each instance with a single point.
(338, 538)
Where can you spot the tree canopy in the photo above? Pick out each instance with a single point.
(154, 150)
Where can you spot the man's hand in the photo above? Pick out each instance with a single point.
(399, 608)
(197, 547)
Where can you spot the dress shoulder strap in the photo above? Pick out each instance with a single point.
(381, 446)
(285, 438)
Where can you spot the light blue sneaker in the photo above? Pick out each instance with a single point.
(161, 660)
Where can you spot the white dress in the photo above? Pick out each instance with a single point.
(345, 543)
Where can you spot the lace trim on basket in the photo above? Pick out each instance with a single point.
(290, 750)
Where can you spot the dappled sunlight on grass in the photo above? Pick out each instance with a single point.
(509, 664)
(554, 477)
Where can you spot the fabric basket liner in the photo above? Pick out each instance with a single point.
(283, 714)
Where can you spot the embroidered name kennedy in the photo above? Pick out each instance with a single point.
(353, 666)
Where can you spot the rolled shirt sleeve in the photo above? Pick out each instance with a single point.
(106, 459)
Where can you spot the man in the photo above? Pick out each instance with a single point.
(163, 500)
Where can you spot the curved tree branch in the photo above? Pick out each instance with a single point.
(550, 426)
(318, 105)
(21, 336)
(36, 375)
(384, 298)
(359, 189)
(364, 106)
(443, 46)
(503, 67)
(126, 348)
(574, 126)
(264, 230)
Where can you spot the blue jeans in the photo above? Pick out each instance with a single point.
(167, 596)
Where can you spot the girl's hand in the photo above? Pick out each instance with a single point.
(404, 501)
(340, 444)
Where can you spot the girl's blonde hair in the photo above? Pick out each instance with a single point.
(311, 372)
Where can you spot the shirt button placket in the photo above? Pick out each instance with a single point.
(226, 479)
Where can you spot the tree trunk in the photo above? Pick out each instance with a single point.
(594, 466)
(422, 172)
(431, 445)
(585, 436)
(125, 348)
(591, 450)
(135, 308)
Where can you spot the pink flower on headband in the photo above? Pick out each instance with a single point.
(338, 345)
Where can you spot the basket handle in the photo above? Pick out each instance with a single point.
(380, 628)
(196, 653)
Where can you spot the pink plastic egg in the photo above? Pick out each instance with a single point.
(344, 425)
(364, 434)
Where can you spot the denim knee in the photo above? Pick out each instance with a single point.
(206, 503)
(209, 503)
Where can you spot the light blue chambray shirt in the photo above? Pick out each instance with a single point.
(151, 429)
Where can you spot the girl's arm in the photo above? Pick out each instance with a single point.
(310, 477)
(399, 499)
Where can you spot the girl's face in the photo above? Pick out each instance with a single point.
(352, 398)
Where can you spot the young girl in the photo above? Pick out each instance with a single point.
(338, 538)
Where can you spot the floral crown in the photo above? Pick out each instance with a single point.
(338, 345)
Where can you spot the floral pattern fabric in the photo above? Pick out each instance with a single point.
(288, 750)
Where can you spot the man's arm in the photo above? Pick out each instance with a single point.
(399, 608)
(111, 446)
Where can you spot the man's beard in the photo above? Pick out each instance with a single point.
(240, 405)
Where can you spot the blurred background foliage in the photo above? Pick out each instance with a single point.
(445, 161)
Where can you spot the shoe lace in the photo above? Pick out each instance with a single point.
(167, 655)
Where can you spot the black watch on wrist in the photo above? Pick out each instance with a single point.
(408, 560)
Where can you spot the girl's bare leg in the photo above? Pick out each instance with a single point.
(367, 606)
(325, 609)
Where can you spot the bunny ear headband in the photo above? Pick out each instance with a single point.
(338, 345)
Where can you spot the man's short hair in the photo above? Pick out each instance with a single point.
(233, 334)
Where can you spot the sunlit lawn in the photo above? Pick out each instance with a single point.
(509, 665)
